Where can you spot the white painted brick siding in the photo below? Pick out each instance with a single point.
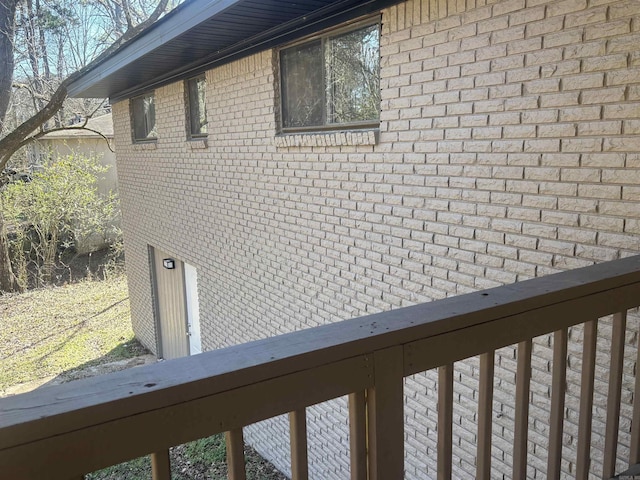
(508, 148)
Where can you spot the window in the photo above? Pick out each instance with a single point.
(144, 117)
(196, 107)
(332, 81)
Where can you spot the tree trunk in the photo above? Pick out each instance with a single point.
(7, 27)
(50, 246)
(60, 69)
(7, 283)
(42, 43)
(30, 19)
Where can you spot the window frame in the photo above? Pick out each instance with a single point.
(323, 36)
(189, 108)
(132, 103)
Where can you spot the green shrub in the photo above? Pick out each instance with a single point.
(47, 215)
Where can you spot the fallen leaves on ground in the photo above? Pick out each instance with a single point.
(49, 331)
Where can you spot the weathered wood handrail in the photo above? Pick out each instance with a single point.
(68, 430)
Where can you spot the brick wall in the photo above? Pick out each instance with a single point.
(509, 148)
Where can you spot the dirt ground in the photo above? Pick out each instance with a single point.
(78, 374)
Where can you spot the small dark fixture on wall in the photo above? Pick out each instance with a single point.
(169, 263)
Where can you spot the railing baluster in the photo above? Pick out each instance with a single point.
(445, 421)
(235, 454)
(385, 415)
(298, 437)
(485, 412)
(358, 435)
(586, 398)
(160, 466)
(614, 394)
(558, 392)
(521, 426)
(634, 449)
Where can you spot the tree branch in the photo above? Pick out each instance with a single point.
(30, 90)
(127, 14)
(41, 134)
(17, 138)
(155, 15)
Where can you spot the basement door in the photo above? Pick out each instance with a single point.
(177, 312)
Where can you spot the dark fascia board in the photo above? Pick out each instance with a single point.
(340, 11)
(183, 18)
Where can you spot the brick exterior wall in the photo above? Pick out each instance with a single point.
(509, 148)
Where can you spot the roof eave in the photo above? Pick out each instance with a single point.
(96, 82)
(165, 29)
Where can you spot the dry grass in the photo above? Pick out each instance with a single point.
(56, 330)
(61, 331)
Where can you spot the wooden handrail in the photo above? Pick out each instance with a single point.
(227, 389)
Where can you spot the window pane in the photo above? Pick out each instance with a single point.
(302, 85)
(352, 62)
(197, 106)
(144, 117)
(138, 119)
(150, 116)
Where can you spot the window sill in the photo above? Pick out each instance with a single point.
(198, 144)
(145, 146)
(328, 139)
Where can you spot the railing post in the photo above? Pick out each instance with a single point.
(585, 417)
(634, 448)
(485, 411)
(385, 402)
(558, 392)
(521, 422)
(161, 466)
(445, 421)
(298, 440)
(235, 454)
(358, 435)
(614, 394)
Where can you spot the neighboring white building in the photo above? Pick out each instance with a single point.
(507, 147)
(83, 142)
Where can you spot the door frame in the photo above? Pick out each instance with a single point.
(192, 302)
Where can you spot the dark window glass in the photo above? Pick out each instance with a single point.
(332, 81)
(144, 117)
(303, 87)
(197, 107)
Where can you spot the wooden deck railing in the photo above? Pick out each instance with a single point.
(76, 428)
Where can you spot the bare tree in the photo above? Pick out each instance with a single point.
(23, 134)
